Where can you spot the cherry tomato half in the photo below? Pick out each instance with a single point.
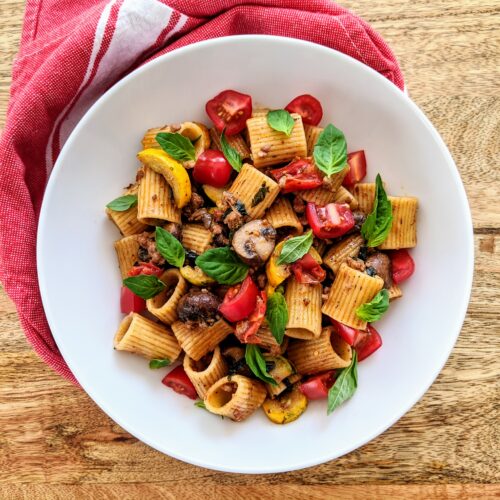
(239, 301)
(246, 329)
(212, 168)
(317, 387)
(130, 302)
(357, 169)
(229, 110)
(308, 107)
(298, 176)
(307, 270)
(403, 265)
(367, 343)
(330, 221)
(180, 383)
(145, 268)
(349, 334)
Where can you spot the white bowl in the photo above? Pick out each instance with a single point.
(80, 282)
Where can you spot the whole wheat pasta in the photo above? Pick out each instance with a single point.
(395, 292)
(164, 305)
(196, 238)
(312, 135)
(235, 141)
(198, 341)
(142, 336)
(235, 397)
(155, 202)
(304, 310)
(403, 233)
(205, 372)
(255, 190)
(126, 250)
(276, 390)
(351, 289)
(344, 196)
(328, 352)
(270, 147)
(339, 252)
(281, 214)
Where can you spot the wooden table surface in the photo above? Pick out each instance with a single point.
(56, 443)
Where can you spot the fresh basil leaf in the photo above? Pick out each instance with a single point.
(145, 286)
(277, 315)
(345, 385)
(330, 151)
(260, 195)
(295, 248)
(176, 145)
(257, 363)
(200, 404)
(223, 265)
(169, 247)
(379, 222)
(281, 121)
(123, 203)
(232, 156)
(154, 364)
(373, 311)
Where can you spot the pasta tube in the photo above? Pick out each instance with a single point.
(126, 250)
(326, 194)
(341, 251)
(312, 135)
(164, 305)
(281, 214)
(365, 194)
(235, 141)
(304, 310)
(395, 292)
(267, 341)
(344, 196)
(403, 233)
(196, 238)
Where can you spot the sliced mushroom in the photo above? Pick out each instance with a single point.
(198, 306)
(254, 242)
(381, 263)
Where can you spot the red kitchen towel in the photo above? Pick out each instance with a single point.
(71, 52)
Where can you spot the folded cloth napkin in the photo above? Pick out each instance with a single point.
(72, 52)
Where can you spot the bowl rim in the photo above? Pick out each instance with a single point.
(468, 249)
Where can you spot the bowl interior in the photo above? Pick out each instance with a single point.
(80, 281)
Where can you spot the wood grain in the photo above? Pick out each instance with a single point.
(56, 443)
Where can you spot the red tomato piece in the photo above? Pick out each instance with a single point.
(246, 329)
(298, 176)
(317, 387)
(403, 265)
(239, 301)
(307, 270)
(145, 268)
(331, 221)
(180, 383)
(367, 343)
(229, 110)
(130, 302)
(349, 334)
(212, 168)
(357, 169)
(308, 107)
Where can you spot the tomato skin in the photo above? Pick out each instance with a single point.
(229, 110)
(308, 107)
(246, 329)
(180, 383)
(212, 168)
(367, 343)
(330, 221)
(349, 334)
(130, 302)
(299, 175)
(317, 386)
(357, 169)
(145, 268)
(306, 270)
(239, 301)
(403, 265)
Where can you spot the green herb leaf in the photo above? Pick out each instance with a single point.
(281, 121)
(295, 248)
(123, 203)
(277, 315)
(154, 364)
(260, 194)
(176, 145)
(345, 385)
(169, 247)
(257, 363)
(330, 151)
(200, 404)
(223, 265)
(373, 311)
(145, 286)
(378, 224)
(232, 156)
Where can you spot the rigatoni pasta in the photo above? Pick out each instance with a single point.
(281, 215)
(127, 252)
(164, 305)
(304, 310)
(197, 238)
(403, 233)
